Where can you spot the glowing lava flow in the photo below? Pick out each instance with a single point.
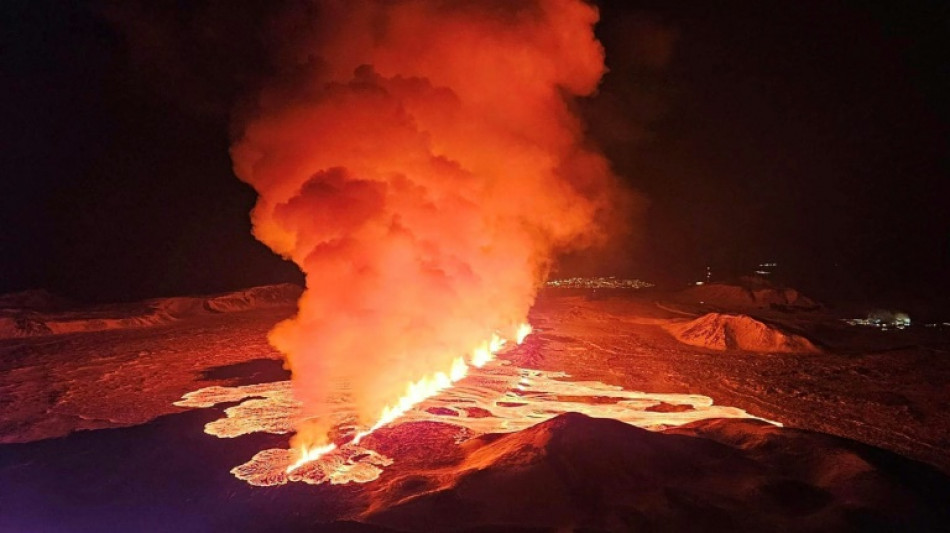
(498, 397)
(523, 331)
(418, 391)
(311, 454)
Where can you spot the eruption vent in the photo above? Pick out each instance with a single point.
(420, 162)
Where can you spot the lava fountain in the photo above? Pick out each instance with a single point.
(417, 392)
(421, 164)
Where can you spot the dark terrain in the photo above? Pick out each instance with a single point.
(93, 442)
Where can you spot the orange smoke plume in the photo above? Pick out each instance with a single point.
(420, 162)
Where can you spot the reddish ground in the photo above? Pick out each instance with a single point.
(885, 390)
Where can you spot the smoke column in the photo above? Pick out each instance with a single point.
(420, 162)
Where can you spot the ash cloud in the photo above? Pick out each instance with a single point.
(421, 163)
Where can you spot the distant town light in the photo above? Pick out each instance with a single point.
(598, 283)
(882, 320)
(766, 268)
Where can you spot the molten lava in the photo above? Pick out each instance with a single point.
(494, 398)
(417, 392)
(311, 454)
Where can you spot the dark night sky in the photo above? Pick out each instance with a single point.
(809, 133)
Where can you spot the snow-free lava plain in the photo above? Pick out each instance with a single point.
(91, 440)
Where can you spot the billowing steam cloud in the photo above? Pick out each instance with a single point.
(420, 162)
